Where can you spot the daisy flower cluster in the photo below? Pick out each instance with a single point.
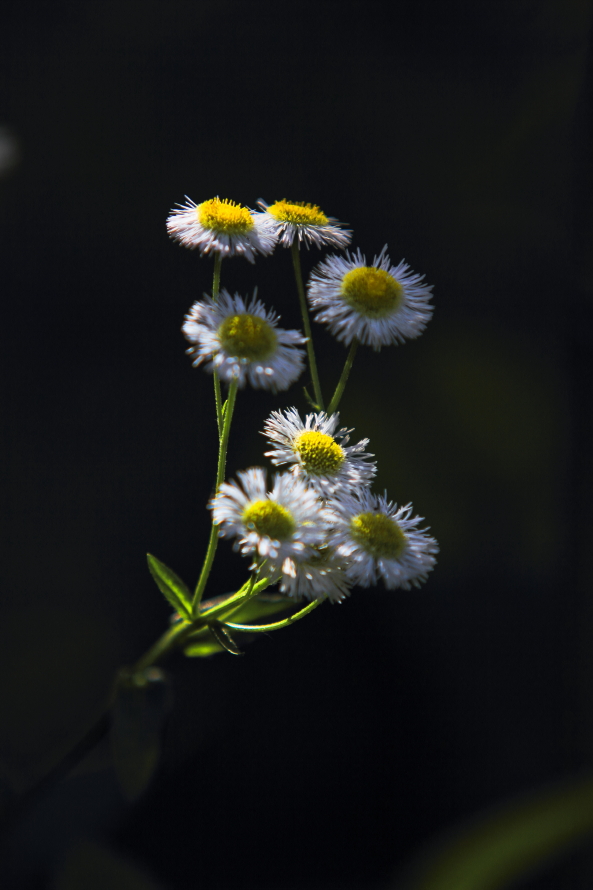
(376, 304)
(316, 529)
(319, 529)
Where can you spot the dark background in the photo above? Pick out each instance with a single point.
(460, 134)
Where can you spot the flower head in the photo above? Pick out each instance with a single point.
(306, 222)
(318, 451)
(222, 226)
(241, 341)
(281, 526)
(320, 576)
(378, 305)
(379, 540)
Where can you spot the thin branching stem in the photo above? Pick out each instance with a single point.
(217, 394)
(261, 628)
(222, 451)
(170, 640)
(296, 262)
(333, 405)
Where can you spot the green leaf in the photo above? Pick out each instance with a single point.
(201, 643)
(499, 847)
(202, 646)
(224, 638)
(209, 640)
(310, 399)
(171, 586)
(212, 639)
(138, 714)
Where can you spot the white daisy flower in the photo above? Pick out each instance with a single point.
(321, 576)
(240, 340)
(378, 305)
(222, 226)
(306, 222)
(379, 540)
(319, 451)
(281, 526)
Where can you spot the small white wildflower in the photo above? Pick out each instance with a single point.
(241, 341)
(379, 540)
(320, 576)
(281, 526)
(378, 305)
(222, 226)
(319, 451)
(306, 223)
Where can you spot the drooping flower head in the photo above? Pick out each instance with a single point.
(320, 576)
(241, 341)
(306, 223)
(378, 305)
(377, 539)
(222, 226)
(282, 525)
(318, 451)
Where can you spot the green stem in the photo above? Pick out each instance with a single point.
(212, 543)
(216, 278)
(182, 630)
(296, 262)
(215, 292)
(333, 405)
(221, 611)
(254, 628)
(214, 607)
(228, 409)
(218, 402)
(251, 594)
(170, 640)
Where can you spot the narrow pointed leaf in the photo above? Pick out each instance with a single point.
(201, 643)
(202, 646)
(224, 639)
(310, 399)
(170, 585)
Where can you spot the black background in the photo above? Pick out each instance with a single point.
(459, 134)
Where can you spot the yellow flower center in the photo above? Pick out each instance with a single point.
(269, 519)
(371, 291)
(298, 213)
(248, 337)
(320, 454)
(378, 534)
(225, 217)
